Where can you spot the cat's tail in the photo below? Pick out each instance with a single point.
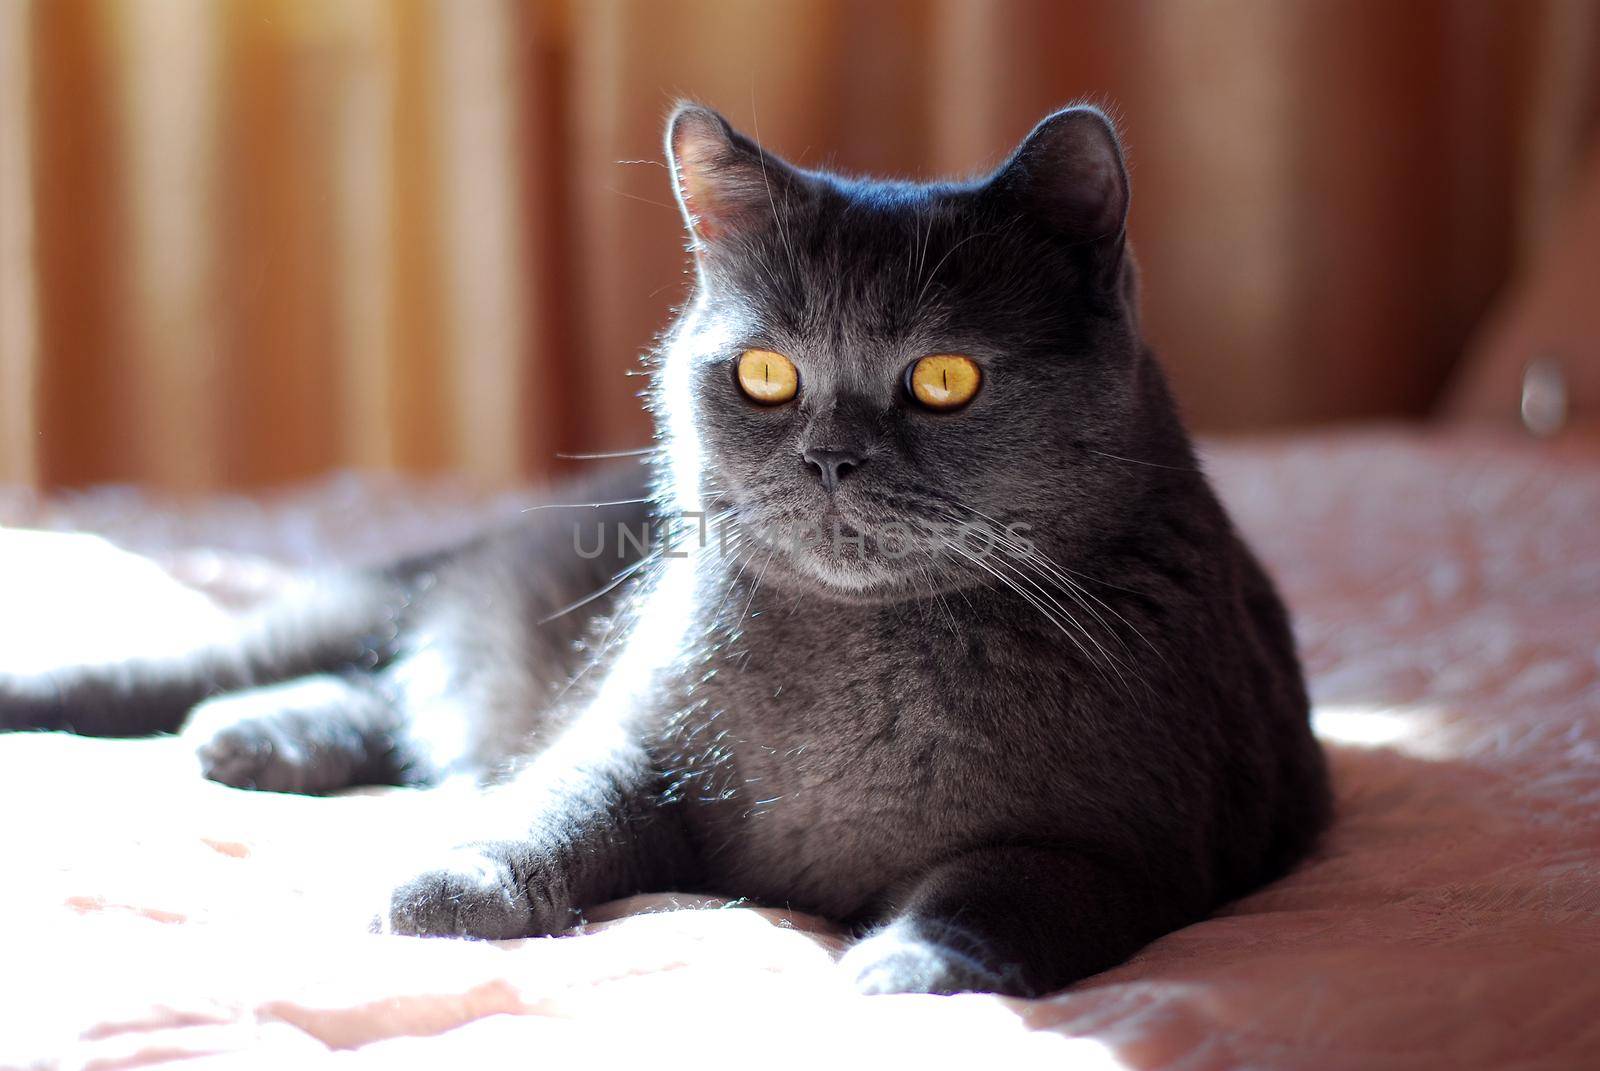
(348, 623)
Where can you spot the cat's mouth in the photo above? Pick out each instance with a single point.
(847, 550)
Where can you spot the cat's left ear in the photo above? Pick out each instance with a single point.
(1069, 174)
(726, 184)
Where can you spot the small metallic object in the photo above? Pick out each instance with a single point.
(1544, 397)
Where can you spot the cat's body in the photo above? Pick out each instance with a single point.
(1068, 719)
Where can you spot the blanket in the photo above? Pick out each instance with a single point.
(1446, 588)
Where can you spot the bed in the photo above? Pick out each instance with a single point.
(1446, 587)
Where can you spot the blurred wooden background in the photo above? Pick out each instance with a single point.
(244, 242)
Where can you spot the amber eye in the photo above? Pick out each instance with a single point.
(767, 377)
(945, 381)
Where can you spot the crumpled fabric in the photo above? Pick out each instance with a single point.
(1446, 589)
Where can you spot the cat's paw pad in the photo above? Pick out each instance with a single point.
(281, 738)
(890, 962)
(253, 753)
(469, 894)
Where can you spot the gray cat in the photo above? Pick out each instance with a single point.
(939, 630)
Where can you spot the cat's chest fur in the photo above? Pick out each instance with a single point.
(821, 757)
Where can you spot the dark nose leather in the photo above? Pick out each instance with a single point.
(832, 465)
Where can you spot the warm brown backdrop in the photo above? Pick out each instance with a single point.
(243, 242)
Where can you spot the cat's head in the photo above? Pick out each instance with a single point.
(868, 371)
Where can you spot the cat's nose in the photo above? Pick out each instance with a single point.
(832, 465)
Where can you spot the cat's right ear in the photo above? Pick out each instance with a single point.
(1069, 174)
(725, 183)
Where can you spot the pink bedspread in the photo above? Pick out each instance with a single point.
(1447, 592)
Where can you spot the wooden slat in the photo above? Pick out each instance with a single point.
(19, 349)
(487, 356)
(167, 57)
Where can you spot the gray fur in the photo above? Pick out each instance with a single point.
(1009, 766)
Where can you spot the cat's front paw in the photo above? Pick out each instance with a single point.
(253, 753)
(897, 960)
(281, 738)
(468, 893)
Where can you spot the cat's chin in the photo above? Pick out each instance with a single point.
(855, 582)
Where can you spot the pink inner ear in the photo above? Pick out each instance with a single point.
(700, 149)
(719, 198)
(723, 181)
(698, 196)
